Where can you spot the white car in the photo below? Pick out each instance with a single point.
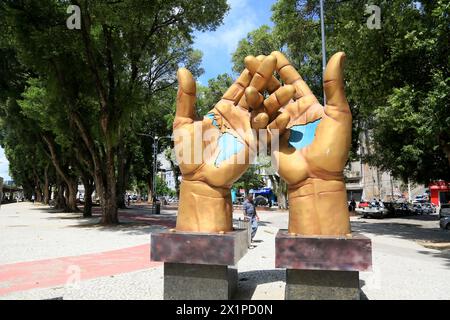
(373, 211)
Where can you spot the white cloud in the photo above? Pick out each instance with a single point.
(4, 165)
(239, 21)
(237, 3)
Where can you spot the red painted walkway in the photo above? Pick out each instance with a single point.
(57, 272)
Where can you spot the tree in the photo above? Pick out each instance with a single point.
(396, 77)
(260, 41)
(208, 96)
(100, 74)
(251, 179)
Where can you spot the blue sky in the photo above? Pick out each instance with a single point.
(217, 47)
(4, 165)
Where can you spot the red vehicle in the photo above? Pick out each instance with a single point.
(363, 204)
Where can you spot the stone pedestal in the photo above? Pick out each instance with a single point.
(321, 268)
(199, 266)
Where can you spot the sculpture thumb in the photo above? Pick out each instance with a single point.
(334, 81)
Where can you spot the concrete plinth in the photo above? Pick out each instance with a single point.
(198, 281)
(322, 268)
(199, 266)
(321, 285)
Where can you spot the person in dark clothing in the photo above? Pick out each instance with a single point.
(353, 204)
(250, 214)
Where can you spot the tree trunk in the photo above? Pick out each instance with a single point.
(88, 190)
(60, 199)
(50, 193)
(282, 203)
(109, 208)
(123, 173)
(122, 183)
(46, 187)
(150, 188)
(72, 197)
(106, 190)
(37, 188)
(176, 174)
(280, 188)
(38, 192)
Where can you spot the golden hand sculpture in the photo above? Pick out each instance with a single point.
(313, 149)
(215, 151)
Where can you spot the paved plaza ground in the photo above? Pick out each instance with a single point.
(46, 254)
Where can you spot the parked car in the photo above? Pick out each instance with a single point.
(444, 223)
(403, 209)
(444, 210)
(417, 208)
(363, 204)
(172, 200)
(421, 199)
(375, 210)
(427, 208)
(261, 201)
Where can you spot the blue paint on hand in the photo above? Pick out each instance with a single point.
(303, 135)
(211, 116)
(228, 145)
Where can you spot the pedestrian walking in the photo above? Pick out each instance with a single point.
(353, 204)
(32, 198)
(250, 214)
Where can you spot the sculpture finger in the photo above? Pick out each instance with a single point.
(279, 125)
(236, 90)
(253, 98)
(252, 64)
(185, 97)
(278, 99)
(263, 73)
(260, 120)
(290, 76)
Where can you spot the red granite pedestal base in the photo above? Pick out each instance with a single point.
(325, 267)
(199, 266)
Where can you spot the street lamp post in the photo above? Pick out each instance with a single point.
(155, 163)
(156, 140)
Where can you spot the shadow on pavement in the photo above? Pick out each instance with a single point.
(444, 254)
(249, 280)
(408, 231)
(362, 295)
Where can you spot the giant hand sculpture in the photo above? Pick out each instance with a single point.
(214, 152)
(313, 149)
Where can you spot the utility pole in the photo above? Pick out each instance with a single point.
(155, 163)
(324, 54)
(409, 191)
(156, 140)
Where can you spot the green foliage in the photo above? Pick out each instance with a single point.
(251, 179)
(162, 189)
(208, 96)
(92, 91)
(260, 41)
(397, 77)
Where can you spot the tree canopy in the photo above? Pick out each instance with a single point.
(397, 77)
(88, 92)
